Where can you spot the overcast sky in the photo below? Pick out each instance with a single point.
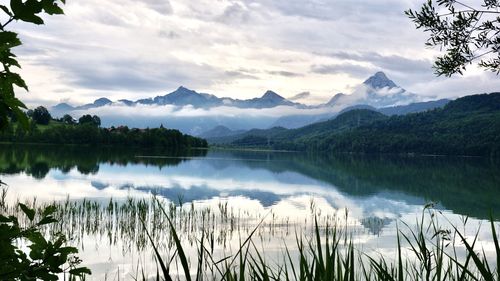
(306, 50)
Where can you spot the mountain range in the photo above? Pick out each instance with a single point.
(186, 97)
(377, 92)
(466, 126)
(222, 134)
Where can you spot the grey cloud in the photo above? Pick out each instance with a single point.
(354, 70)
(108, 18)
(234, 13)
(457, 86)
(63, 90)
(108, 69)
(300, 96)
(325, 10)
(285, 73)
(391, 62)
(354, 37)
(28, 50)
(134, 74)
(160, 6)
(240, 75)
(169, 34)
(249, 70)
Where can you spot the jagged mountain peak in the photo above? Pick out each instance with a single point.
(380, 80)
(335, 99)
(272, 95)
(183, 91)
(377, 91)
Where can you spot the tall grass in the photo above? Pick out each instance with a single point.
(326, 251)
(430, 254)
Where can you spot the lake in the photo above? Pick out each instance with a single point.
(234, 191)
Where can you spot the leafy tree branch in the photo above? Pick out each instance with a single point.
(465, 33)
(26, 11)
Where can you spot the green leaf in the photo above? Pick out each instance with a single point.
(6, 10)
(49, 210)
(37, 239)
(52, 8)
(16, 79)
(27, 11)
(80, 271)
(21, 118)
(9, 40)
(47, 220)
(4, 219)
(16, 6)
(30, 213)
(33, 19)
(66, 250)
(12, 62)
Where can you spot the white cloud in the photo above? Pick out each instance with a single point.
(172, 111)
(236, 48)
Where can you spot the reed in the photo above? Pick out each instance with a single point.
(324, 247)
(432, 256)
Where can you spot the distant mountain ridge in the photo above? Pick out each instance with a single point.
(468, 126)
(344, 121)
(186, 97)
(220, 131)
(377, 92)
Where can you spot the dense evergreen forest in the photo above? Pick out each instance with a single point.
(88, 132)
(467, 126)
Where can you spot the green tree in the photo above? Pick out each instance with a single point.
(91, 120)
(26, 11)
(466, 33)
(41, 116)
(67, 119)
(97, 120)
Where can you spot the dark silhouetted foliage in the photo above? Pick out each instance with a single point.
(44, 258)
(26, 11)
(41, 116)
(88, 133)
(90, 120)
(466, 33)
(68, 119)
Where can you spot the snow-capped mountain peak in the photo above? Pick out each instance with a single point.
(379, 80)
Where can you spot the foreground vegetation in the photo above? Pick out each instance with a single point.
(335, 258)
(28, 253)
(325, 251)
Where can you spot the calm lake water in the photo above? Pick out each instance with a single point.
(370, 194)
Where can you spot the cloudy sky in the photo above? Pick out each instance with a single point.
(306, 50)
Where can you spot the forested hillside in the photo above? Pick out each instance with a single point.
(466, 126)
